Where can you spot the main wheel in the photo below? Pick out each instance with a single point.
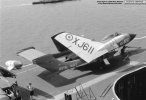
(123, 50)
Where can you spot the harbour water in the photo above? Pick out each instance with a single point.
(24, 25)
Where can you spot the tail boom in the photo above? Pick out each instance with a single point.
(54, 65)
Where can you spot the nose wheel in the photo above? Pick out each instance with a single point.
(123, 50)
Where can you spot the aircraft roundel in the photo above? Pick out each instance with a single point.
(69, 37)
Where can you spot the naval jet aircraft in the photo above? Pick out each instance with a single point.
(77, 51)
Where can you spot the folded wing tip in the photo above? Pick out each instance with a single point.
(22, 50)
(30, 53)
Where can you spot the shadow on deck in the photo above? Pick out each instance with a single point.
(97, 68)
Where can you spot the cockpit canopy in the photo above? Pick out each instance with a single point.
(111, 36)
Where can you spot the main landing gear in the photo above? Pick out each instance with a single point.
(123, 50)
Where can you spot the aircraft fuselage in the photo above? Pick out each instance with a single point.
(111, 46)
(117, 42)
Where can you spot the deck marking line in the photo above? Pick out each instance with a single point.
(140, 38)
(27, 65)
(21, 5)
(4, 79)
(27, 70)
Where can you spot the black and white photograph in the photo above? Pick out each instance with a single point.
(72, 49)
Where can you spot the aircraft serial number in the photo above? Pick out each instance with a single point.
(123, 42)
(63, 68)
(85, 46)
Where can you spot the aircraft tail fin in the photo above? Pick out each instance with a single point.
(58, 45)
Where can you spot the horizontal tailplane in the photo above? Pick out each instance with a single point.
(49, 62)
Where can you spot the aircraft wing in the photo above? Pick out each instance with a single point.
(30, 53)
(86, 49)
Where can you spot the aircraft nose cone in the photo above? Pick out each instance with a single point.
(132, 36)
